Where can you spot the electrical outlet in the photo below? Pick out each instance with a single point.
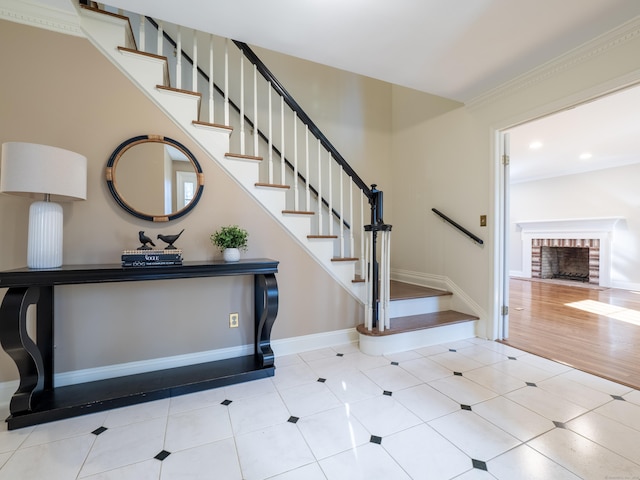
(483, 220)
(234, 320)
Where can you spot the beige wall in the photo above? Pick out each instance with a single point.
(58, 90)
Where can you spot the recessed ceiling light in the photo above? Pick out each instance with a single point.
(585, 156)
(535, 145)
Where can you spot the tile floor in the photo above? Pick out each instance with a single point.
(467, 410)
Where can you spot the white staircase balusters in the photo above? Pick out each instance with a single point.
(320, 206)
(330, 178)
(282, 144)
(242, 132)
(211, 89)
(159, 38)
(226, 82)
(179, 60)
(270, 134)
(194, 65)
(256, 152)
(307, 173)
(340, 179)
(296, 199)
(141, 34)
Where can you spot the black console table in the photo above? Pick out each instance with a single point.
(37, 400)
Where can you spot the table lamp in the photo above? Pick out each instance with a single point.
(41, 171)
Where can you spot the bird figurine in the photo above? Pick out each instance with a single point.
(170, 239)
(144, 240)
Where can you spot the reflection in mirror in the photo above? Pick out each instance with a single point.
(155, 178)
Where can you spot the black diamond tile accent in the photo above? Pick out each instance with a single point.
(512, 358)
(387, 393)
(162, 455)
(465, 407)
(457, 374)
(559, 425)
(322, 380)
(395, 363)
(99, 430)
(339, 354)
(531, 384)
(618, 397)
(479, 464)
(293, 419)
(226, 402)
(376, 439)
(452, 350)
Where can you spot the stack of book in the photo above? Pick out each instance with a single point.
(151, 258)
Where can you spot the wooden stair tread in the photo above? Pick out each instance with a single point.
(179, 90)
(297, 212)
(419, 322)
(344, 259)
(215, 125)
(272, 185)
(322, 236)
(406, 291)
(145, 54)
(242, 157)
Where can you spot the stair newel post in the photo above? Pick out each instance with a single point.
(378, 225)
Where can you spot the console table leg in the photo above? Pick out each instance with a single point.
(20, 347)
(266, 306)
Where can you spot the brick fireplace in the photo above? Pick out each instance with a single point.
(574, 249)
(575, 259)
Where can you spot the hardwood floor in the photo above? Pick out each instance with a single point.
(596, 330)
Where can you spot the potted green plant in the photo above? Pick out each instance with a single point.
(230, 240)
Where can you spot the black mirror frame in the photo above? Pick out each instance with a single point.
(123, 147)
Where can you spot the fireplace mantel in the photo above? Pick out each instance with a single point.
(572, 225)
(574, 228)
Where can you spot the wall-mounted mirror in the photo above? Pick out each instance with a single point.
(154, 178)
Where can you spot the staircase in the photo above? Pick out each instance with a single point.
(288, 166)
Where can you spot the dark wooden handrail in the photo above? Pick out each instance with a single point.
(473, 237)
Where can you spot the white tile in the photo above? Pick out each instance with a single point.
(253, 388)
(193, 401)
(59, 460)
(624, 412)
(392, 378)
(332, 432)
(481, 354)
(213, 460)
(197, 427)
(4, 457)
(525, 463)
(308, 472)
(522, 370)
(425, 369)
(367, 462)
(431, 350)
(293, 375)
(71, 427)
(347, 348)
(364, 362)
(254, 413)
(475, 474)
(544, 403)
(474, 435)
(351, 385)
(383, 415)
(597, 383)
(426, 402)
(575, 392)
(148, 470)
(286, 360)
(513, 418)
(272, 451)
(583, 457)
(124, 445)
(633, 397)
(403, 356)
(137, 413)
(440, 460)
(12, 439)
(330, 366)
(494, 379)
(455, 361)
(608, 433)
(309, 398)
(504, 349)
(550, 366)
(462, 390)
(317, 354)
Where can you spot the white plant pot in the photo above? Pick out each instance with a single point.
(231, 254)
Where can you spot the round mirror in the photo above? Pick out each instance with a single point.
(154, 178)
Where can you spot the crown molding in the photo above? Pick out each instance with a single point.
(625, 33)
(41, 15)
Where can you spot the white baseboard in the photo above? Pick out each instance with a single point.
(287, 346)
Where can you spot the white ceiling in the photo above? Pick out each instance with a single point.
(457, 49)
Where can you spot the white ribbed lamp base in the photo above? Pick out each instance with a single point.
(44, 248)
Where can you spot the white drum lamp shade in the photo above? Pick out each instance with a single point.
(49, 173)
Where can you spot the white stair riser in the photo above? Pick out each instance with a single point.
(401, 342)
(416, 306)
